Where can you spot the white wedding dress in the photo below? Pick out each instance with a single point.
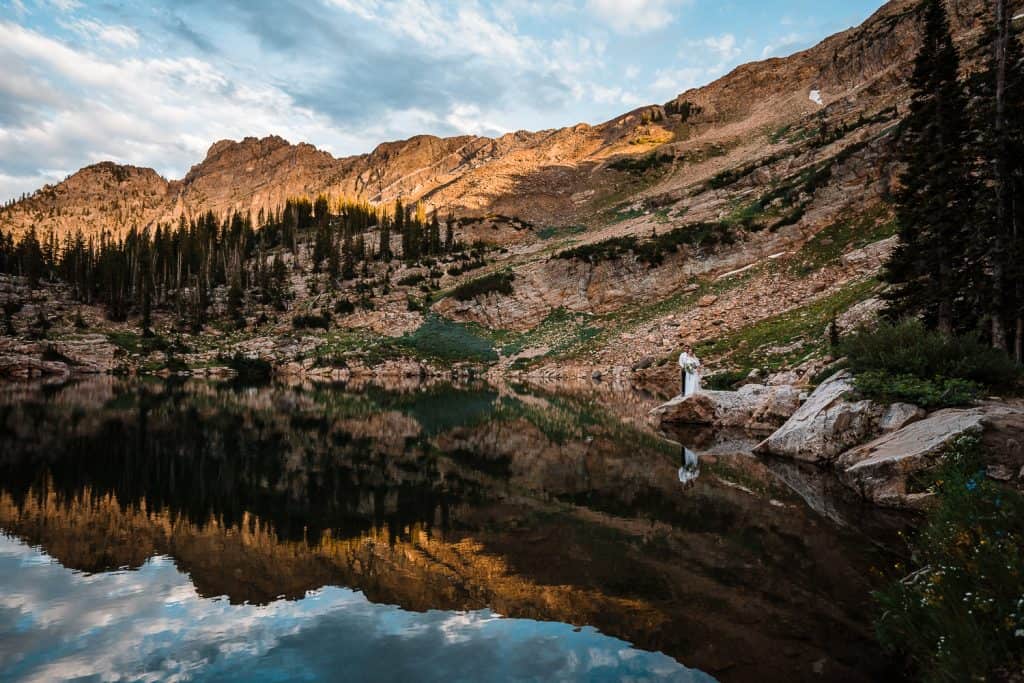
(691, 366)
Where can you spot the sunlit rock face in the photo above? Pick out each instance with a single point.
(531, 504)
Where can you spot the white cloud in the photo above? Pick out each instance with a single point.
(635, 16)
(784, 44)
(133, 111)
(66, 5)
(722, 47)
(671, 82)
(116, 35)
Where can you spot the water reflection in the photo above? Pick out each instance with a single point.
(690, 470)
(534, 505)
(151, 624)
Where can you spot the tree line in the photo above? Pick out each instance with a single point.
(178, 267)
(959, 264)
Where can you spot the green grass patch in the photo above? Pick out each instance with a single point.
(446, 340)
(748, 348)
(136, 344)
(826, 247)
(548, 233)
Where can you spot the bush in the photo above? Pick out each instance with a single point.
(725, 380)
(495, 282)
(941, 392)
(344, 307)
(653, 251)
(958, 615)
(908, 349)
(412, 280)
(311, 322)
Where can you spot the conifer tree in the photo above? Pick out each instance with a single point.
(449, 233)
(929, 270)
(997, 115)
(29, 256)
(385, 241)
(434, 236)
(348, 259)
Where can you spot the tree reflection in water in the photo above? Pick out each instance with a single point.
(531, 504)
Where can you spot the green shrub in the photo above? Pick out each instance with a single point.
(654, 250)
(495, 282)
(958, 614)
(639, 165)
(344, 307)
(725, 380)
(909, 349)
(311, 322)
(412, 280)
(941, 392)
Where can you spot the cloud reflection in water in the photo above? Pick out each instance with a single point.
(151, 625)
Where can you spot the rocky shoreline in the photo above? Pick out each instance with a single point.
(881, 452)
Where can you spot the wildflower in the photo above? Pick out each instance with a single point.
(971, 484)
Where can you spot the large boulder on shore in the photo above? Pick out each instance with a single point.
(826, 425)
(882, 471)
(754, 407)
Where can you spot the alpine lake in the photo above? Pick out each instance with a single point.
(187, 530)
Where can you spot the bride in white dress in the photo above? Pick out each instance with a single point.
(690, 365)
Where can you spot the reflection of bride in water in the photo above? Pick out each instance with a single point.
(691, 467)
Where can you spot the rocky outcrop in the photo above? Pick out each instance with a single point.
(827, 424)
(882, 470)
(754, 407)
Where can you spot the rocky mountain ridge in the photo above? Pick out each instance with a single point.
(552, 177)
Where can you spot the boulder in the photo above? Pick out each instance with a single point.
(882, 469)
(753, 407)
(825, 425)
(899, 415)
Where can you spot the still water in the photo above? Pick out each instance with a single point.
(192, 531)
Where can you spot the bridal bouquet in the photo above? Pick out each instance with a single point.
(690, 366)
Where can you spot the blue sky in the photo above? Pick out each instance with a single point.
(155, 82)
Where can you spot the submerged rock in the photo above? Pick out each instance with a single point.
(826, 424)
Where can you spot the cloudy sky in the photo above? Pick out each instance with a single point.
(155, 82)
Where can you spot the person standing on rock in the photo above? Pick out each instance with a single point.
(690, 376)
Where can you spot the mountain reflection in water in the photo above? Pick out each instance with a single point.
(305, 513)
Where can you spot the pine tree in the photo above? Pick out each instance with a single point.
(29, 256)
(348, 259)
(929, 270)
(236, 298)
(449, 233)
(997, 110)
(385, 241)
(435, 235)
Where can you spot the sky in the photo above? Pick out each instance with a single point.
(155, 82)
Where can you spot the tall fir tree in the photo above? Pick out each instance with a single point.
(449, 233)
(929, 270)
(997, 118)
